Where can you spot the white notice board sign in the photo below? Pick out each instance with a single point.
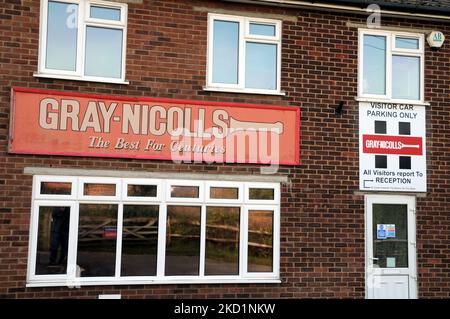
(392, 147)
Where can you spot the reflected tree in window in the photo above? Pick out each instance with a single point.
(222, 241)
(183, 240)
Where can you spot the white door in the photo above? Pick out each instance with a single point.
(390, 247)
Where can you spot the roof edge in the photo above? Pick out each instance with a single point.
(358, 6)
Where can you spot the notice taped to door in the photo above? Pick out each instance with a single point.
(392, 151)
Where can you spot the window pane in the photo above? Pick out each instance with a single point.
(406, 43)
(225, 52)
(262, 193)
(262, 29)
(261, 66)
(380, 161)
(222, 241)
(62, 27)
(260, 241)
(404, 128)
(56, 188)
(184, 191)
(374, 77)
(390, 247)
(224, 192)
(103, 52)
(99, 189)
(405, 162)
(380, 127)
(97, 233)
(183, 240)
(141, 190)
(53, 240)
(105, 13)
(139, 240)
(405, 77)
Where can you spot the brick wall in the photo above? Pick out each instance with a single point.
(322, 220)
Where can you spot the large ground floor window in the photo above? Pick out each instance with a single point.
(94, 230)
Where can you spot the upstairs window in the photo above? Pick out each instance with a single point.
(391, 66)
(84, 40)
(244, 54)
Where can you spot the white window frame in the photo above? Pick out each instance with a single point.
(84, 21)
(99, 180)
(276, 193)
(32, 245)
(145, 182)
(164, 200)
(276, 243)
(214, 184)
(391, 50)
(244, 36)
(172, 182)
(37, 180)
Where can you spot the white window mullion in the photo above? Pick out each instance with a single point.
(119, 231)
(389, 58)
(81, 36)
(276, 241)
(161, 254)
(278, 66)
(242, 46)
(243, 251)
(43, 35)
(73, 242)
(202, 241)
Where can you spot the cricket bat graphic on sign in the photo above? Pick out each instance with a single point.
(236, 126)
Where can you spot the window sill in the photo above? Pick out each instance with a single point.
(74, 283)
(382, 100)
(245, 91)
(77, 78)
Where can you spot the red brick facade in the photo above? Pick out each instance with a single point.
(322, 218)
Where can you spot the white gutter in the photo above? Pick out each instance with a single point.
(337, 7)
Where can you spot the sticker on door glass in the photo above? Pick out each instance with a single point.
(390, 262)
(381, 231)
(390, 231)
(385, 231)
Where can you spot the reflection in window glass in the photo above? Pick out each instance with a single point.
(53, 240)
(260, 241)
(62, 29)
(222, 241)
(224, 192)
(261, 66)
(99, 189)
(391, 250)
(56, 188)
(97, 234)
(406, 43)
(184, 191)
(139, 240)
(105, 13)
(405, 77)
(262, 29)
(262, 193)
(103, 52)
(182, 240)
(374, 77)
(141, 190)
(225, 52)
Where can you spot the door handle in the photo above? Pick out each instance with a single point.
(373, 258)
